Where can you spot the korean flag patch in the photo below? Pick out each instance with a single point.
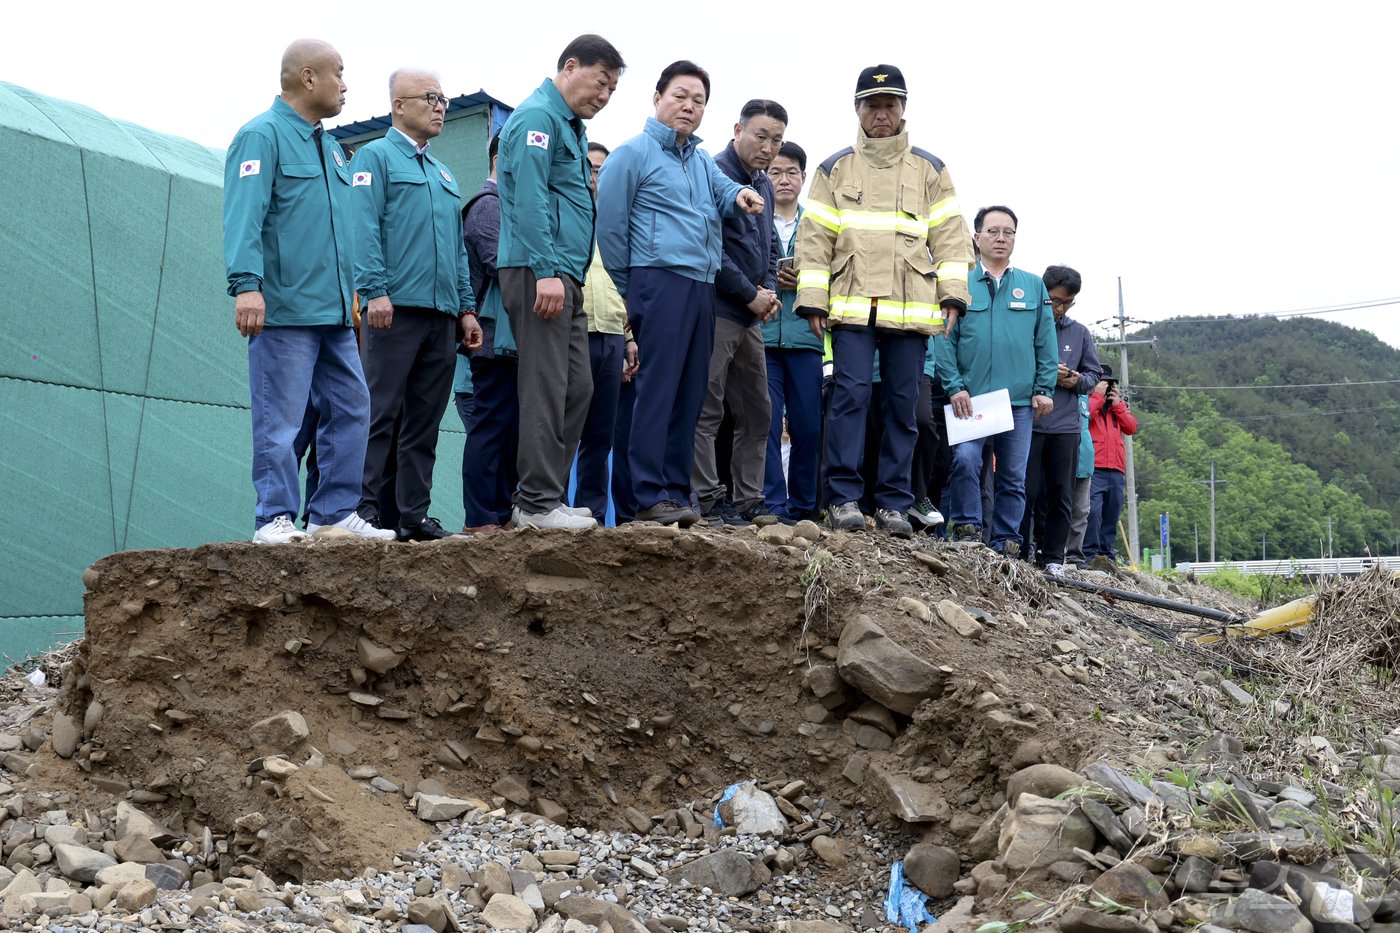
(362, 178)
(251, 167)
(536, 138)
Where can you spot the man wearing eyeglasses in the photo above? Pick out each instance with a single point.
(882, 257)
(411, 270)
(745, 296)
(1005, 340)
(1050, 470)
(547, 221)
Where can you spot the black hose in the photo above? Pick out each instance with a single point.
(1216, 615)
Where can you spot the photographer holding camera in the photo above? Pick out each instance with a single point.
(1109, 420)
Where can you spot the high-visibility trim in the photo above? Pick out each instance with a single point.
(884, 220)
(887, 311)
(949, 271)
(943, 210)
(827, 216)
(813, 278)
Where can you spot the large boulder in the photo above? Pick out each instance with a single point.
(727, 872)
(1040, 832)
(932, 869)
(875, 664)
(1044, 780)
(753, 812)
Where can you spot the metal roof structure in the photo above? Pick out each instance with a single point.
(462, 105)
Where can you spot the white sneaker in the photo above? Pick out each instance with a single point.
(581, 511)
(278, 531)
(355, 525)
(556, 518)
(1055, 570)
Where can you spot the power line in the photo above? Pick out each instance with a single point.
(1298, 312)
(1295, 414)
(1300, 385)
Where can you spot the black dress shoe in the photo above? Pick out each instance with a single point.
(429, 529)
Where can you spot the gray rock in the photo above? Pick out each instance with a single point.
(726, 871)
(433, 808)
(494, 879)
(81, 863)
(131, 821)
(283, 731)
(826, 685)
(64, 735)
(1044, 780)
(1220, 748)
(1125, 788)
(1132, 885)
(1106, 822)
(433, 913)
(513, 789)
(375, 657)
(1087, 920)
(1193, 874)
(1173, 796)
(136, 895)
(910, 800)
(932, 869)
(753, 812)
(958, 619)
(874, 663)
(874, 714)
(983, 844)
(165, 877)
(1264, 913)
(1039, 832)
(1234, 691)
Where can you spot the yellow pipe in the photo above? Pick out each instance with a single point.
(1271, 621)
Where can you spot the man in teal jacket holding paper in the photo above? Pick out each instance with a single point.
(1005, 340)
(546, 246)
(288, 255)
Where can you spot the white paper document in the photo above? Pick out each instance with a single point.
(991, 414)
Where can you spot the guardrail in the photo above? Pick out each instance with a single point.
(1313, 567)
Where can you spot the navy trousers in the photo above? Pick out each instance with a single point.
(623, 496)
(605, 352)
(673, 320)
(901, 365)
(794, 389)
(489, 472)
(1105, 505)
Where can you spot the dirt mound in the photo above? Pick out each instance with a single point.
(572, 676)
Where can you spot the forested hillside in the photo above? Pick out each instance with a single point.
(1302, 420)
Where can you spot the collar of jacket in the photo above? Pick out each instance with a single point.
(405, 145)
(558, 105)
(295, 120)
(667, 137)
(883, 152)
(729, 158)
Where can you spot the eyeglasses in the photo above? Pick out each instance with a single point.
(793, 173)
(763, 139)
(994, 233)
(1065, 303)
(433, 100)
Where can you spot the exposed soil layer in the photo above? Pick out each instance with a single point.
(572, 675)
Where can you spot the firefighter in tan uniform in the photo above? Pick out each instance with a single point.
(882, 257)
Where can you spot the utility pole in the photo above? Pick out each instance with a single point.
(1122, 343)
(1197, 526)
(1264, 547)
(1212, 482)
(1329, 539)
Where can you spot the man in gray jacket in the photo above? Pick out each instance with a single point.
(1055, 438)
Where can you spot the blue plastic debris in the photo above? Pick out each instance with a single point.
(728, 793)
(905, 904)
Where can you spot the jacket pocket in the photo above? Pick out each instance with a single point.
(849, 196)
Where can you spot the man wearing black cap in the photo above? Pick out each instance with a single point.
(882, 258)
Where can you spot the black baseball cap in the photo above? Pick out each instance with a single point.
(881, 79)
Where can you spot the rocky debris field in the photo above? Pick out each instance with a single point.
(649, 728)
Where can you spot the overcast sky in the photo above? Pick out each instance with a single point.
(1222, 158)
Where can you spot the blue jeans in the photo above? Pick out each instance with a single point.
(1011, 449)
(794, 389)
(1105, 505)
(287, 368)
(901, 363)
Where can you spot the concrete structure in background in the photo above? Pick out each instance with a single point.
(123, 382)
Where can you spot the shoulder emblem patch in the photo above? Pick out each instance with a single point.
(251, 167)
(362, 178)
(536, 138)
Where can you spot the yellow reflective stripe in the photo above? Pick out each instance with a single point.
(828, 217)
(943, 210)
(855, 308)
(813, 278)
(884, 220)
(951, 270)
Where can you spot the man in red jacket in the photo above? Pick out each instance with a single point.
(1109, 420)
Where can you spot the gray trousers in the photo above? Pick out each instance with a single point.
(554, 384)
(739, 376)
(409, 369)
(1079, 520)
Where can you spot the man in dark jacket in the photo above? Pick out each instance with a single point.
(1055, 438)
(746, 294)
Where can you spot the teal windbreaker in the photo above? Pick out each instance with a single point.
(787, 331)
(1005, 339)
(408, 228)
(287, 224)
(542, 176)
